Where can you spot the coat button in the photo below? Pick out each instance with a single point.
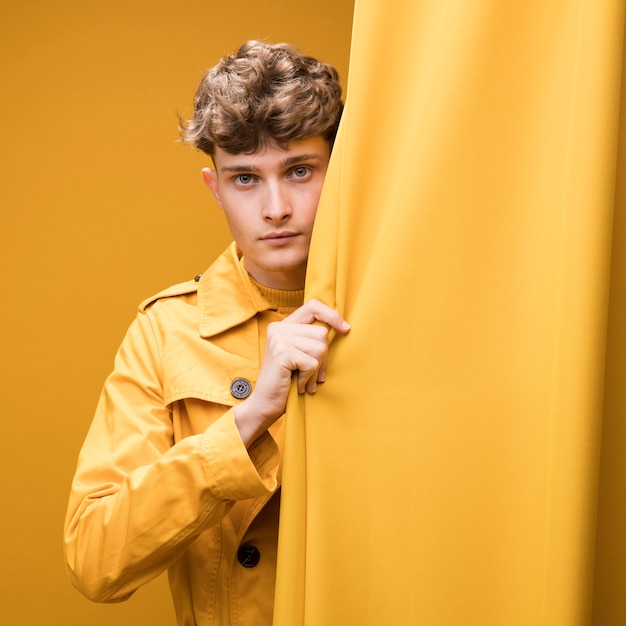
(248, 555)
(240, 388)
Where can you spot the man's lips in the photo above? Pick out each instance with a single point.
(279, 237)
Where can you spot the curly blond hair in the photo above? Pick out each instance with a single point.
(264, 94)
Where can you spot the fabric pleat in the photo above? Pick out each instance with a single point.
(452, 468)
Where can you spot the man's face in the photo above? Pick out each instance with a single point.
(270, 198)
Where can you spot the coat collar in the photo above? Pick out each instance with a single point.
(226, 296)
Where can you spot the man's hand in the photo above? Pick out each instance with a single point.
(296, 344)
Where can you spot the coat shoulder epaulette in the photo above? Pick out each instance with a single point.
(189, 286)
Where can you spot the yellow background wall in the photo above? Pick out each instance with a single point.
(99, 208)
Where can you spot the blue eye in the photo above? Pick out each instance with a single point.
(301, 172)
(244, 179)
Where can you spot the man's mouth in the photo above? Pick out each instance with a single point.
(279, 237)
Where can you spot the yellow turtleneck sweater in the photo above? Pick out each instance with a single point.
(286, 302)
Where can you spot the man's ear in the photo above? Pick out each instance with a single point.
(209, 178)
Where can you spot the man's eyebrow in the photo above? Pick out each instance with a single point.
(239, 168)
(296, 158)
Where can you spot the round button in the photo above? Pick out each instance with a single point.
(248, 555)
(240, 388)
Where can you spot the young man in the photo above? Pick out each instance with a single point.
(180, 469)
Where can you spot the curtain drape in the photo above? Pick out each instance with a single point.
(465, 461)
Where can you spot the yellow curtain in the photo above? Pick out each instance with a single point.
(450, 471)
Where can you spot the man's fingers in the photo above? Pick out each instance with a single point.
(316, 311)
(300, 344)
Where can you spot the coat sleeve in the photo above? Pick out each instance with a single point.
(137, 499)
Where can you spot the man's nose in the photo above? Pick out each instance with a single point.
(276, 205)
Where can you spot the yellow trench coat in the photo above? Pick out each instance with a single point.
(163, 478)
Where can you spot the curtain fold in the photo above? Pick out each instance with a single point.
(449, 470)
